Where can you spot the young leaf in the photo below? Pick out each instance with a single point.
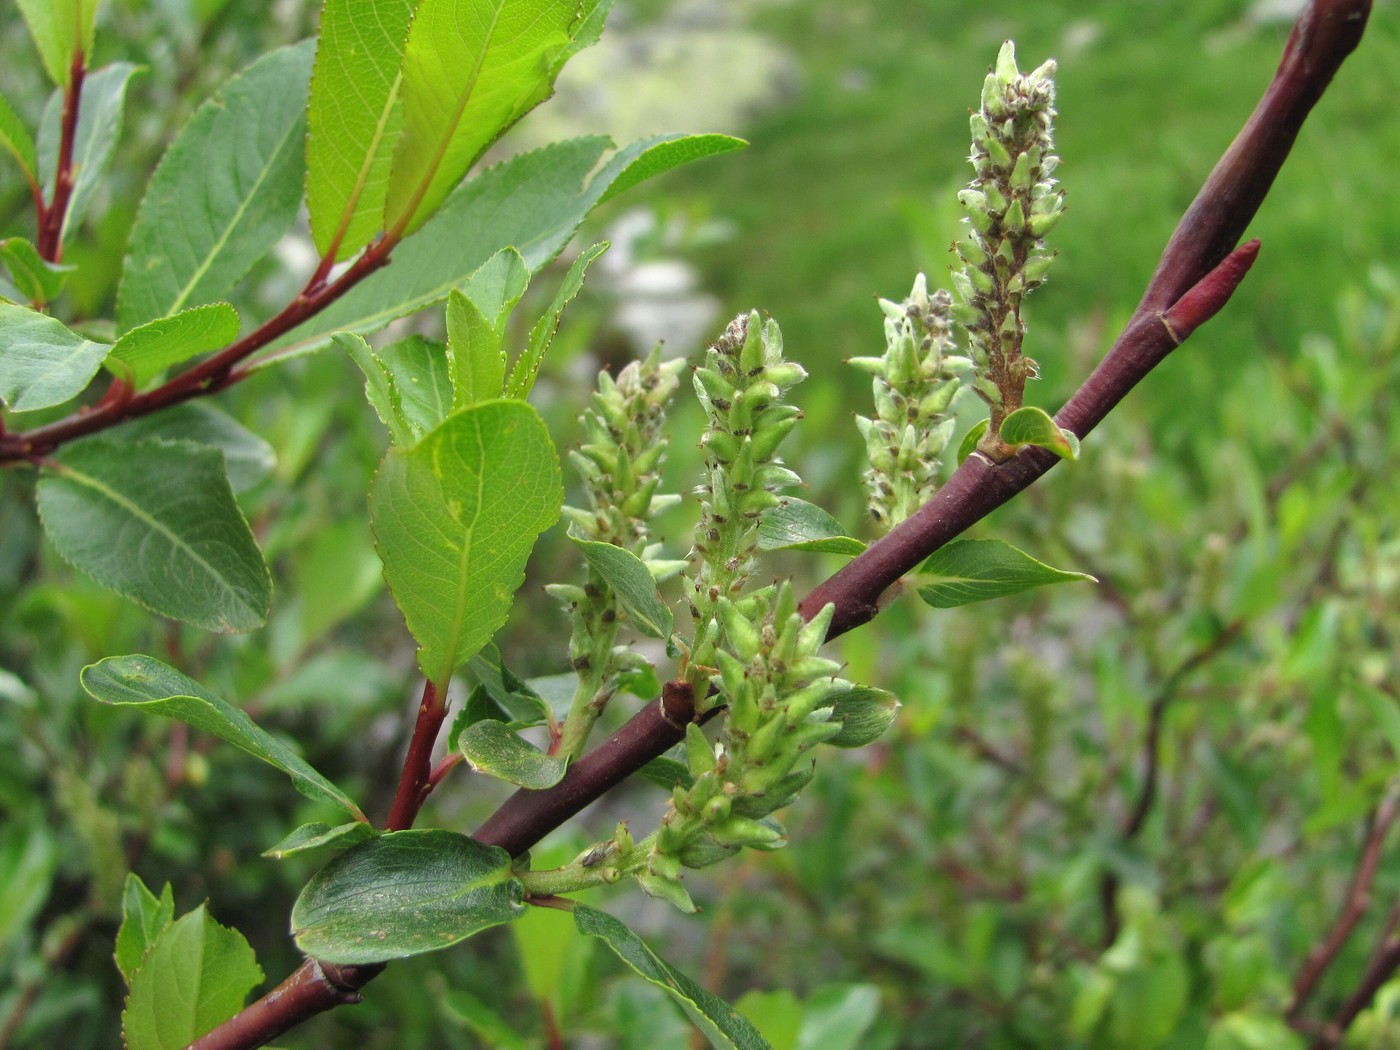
(662, 154)
(666, 773)
(43, 362)
(721, 1023)
(864, 714)
(146, 351)
(522, 376)
(37, 279)
(146, 683)
(795, 524)
(317, 835)
(469, 72)
(354, 118)
(969, 571)
(497, 286)
(478, 363)
(455, 517)
(404, 894)
(379, 388)
(494, 749)
(194, 977)
(99, 125)
(633, 584)
(1033, 426)
(512, 697)
(248, 458)
(60, 28)
(16, 141)
(144, 918)
(156, 522)
(971, 438)
(419, 371)
(533, 202)
(224, 194)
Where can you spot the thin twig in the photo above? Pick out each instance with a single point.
(1385, 960)
(416, 779)
(53, 215)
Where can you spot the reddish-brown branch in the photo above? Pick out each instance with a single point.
(53, 215)
(1354, 907)
(416, 779)
(1385, 960)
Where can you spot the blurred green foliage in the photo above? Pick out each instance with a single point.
(1238, 512)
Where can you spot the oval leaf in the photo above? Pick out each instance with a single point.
(1033, 426)
(975, 570)
(795, 524)
(43, 362)
(146, 683)
(156, 522)
(149, 349)
(224, 194)
(864, 714)
(633, 584)
(317, 834)
(455, 518)
(494, 749)
(354, 119)
(404, 894)
(721, 1023)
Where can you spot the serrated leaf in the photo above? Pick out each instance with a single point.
(404, 894)
(527, 366)
(144, 918)
(195, 976)
(418, 370)
(60, 29)
(42, 361)
(147, 350)
(354, 118)
(479, 367)
(864, 714)
(533, 202)
(318, 835)
(156, 522)
(1033, 426)
(469, 72)
(379, 389)
(663, 156)
(145, 683)
(17, 142)
(969, 442)
(99, 124)
(455, 517)
(721, 1024)
(969, 571)
(497, 286)
(795, 524)
(491, 747)
(632, 582)
(37, 280)
(247, 457)
(224, 194)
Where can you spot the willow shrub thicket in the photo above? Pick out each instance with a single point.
(127, 465)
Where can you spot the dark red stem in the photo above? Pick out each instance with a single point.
(416, 780)
(52, 215)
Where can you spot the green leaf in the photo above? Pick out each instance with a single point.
(403, 894)
(16, 141)
(195, 976)
(379, 388)
(1033, 426)
(224, 194)
(497, 286)
(969, 571)
(1382, 712)
(144, 918)
(720, 1022)
(666, 773)
(527, 367)
(144, 682)
(248, 458)
(29, 859)
(146, 351)
(971, 438)
(513, 696)
(478, 364)
(99, 125)
(38, 280)
(317, 835)
(533, 202)
(864, 714)
(418, 370)
(469, 72)
(494, 749)
(485, 1023)
(633, 584)
(455, 517)
(60, 29)
(43, 362)
(795, 524)
(354, 118)
(156, 522)
(670, 153)
(838, 1017)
